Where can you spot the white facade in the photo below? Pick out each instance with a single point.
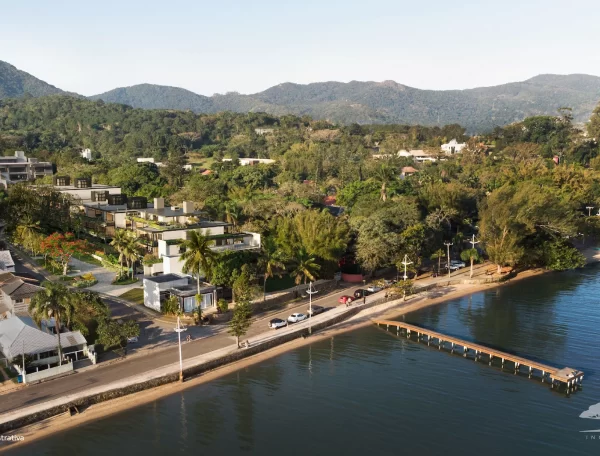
(453, 147)
(87, 154)
(84, 195)
(252, 161)
(417, 155)
(153, 287)
(19, 168)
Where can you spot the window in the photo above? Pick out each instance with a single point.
(19, 301)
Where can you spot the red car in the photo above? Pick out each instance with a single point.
(345, 299)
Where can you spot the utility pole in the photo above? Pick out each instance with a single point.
(23, 376)
(472, 242)
(179, 330)
(589, 208)
(405, 263)
(310, 292)
(448, 244)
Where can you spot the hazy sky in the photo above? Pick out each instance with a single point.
(248, 46)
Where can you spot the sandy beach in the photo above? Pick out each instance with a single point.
(387, 311)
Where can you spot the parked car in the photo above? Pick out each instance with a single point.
(360, 292)
(316, 310)
(276, 323)
(132, 340)
(388, 282)
(345, 299)
(296, 317)
(374, 289)
(455, 265)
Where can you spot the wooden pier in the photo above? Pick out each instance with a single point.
(571, 378)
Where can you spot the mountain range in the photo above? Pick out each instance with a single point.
(478, 109)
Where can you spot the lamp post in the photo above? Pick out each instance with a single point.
(405, 263)
(472, 242)
(24, 373)
(448, 244)
(310, 292)
(179, 330)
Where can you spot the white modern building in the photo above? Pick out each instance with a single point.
(82, 190)
(453, 147)
(160, 288)
(19, 168)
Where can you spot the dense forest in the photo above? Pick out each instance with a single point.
(521, 190)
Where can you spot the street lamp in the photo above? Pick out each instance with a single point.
(310, 292)
(405, 262)
(179, 330)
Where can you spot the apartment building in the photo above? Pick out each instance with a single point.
(19, 168)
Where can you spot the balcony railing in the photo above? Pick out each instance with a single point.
(222, 248)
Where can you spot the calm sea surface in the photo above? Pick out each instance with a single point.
(369, 392)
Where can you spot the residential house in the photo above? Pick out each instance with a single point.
(417, 155)
(453, 147)
(15, 295)
(20, 336)
(160, 288)
(408, 171)
(83, 190)
(264, 131)
(19, 168)
(101, 219)
(6, 262)
(252, 161)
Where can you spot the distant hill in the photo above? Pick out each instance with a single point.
(149, 96)
(478, 110)
(16, 83)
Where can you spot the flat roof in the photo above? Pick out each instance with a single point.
(192, 226)
(168, 212)
(165, 278)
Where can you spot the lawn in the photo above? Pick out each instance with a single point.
(135, 296)
(278, 284)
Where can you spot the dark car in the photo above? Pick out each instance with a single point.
(315, 310)
(359, 293)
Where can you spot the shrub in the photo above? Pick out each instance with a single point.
(150, 259)
(222, 305)
(88, 276)
(171, 306)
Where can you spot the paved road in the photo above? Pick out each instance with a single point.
(213, 338)
(107, 373)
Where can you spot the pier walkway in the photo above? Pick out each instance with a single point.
(571, 378)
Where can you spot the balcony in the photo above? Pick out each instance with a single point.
(234, 247)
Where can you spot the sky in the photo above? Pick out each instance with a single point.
(247, 46)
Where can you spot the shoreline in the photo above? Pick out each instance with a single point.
(364, 318)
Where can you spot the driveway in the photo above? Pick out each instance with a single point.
(104, 276)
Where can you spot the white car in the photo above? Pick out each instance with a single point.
(296, 317)
(454, 265)
(132, 340)
(374, 289)
(276, 323)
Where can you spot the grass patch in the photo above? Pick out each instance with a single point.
(135, 296)
(125, 281)
(87, 258)
(277, 284)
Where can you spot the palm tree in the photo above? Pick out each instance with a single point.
(198, 256)
(384, 175)
(232, 213)
(131, 251)
(119, 242)
(306, 268)
(470, 255)
(55, 300)
(271, 259)
(26, 231)
(438, 255)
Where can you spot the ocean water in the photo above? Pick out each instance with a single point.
(371, 392)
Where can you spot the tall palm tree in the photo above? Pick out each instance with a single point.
(55, 300)
(438, 255)
(131, 251)
(119, 242)
(270, 260)
(232, 213)
(198, 256)
(306, 267)
(470, 255)
(384, 175)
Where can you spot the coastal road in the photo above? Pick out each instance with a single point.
(151, 359)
